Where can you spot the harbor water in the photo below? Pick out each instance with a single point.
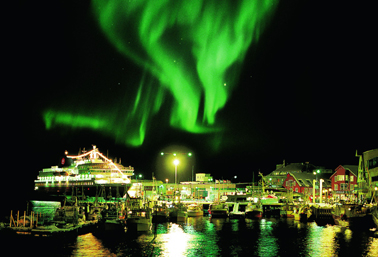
(204, 236)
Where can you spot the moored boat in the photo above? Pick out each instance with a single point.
(177, 212)
(355, 215)
(160, 213)
(253, 210)
(194, 210)
(218, 210)
(139, 220)
(113, 220)
(139, 216)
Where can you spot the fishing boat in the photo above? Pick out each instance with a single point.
(218, 210)
(253, 210)
(351, 215)
(160, 213)
(139, 220)
(177, 212)
(113, 220)
(139, 216)
(194, 210)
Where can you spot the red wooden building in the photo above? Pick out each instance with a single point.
(344, 182)
(303, 183)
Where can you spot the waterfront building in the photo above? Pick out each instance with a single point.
(276, 178)
(204, 177)
(344, 182)
(302, 183)
(367, 173)
(190, 190)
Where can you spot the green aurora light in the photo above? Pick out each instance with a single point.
(191, 51)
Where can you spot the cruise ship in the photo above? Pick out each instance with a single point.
(85, 171)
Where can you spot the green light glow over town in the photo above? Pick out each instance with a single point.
(191, 52)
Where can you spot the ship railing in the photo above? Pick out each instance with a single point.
(26, 221)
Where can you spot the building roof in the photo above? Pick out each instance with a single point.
(305, 179)
(351, 168)
(293, 168)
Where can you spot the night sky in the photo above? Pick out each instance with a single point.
(304, 93)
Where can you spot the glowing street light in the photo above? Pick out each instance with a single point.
(175, 154)
(320, 190)
(176, 162)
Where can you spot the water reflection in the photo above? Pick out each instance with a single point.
(203, 236)
(88, 244)
(174, 242)
(321, 240)
(372, 249)
(267, 242)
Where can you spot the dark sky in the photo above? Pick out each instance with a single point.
(311, 96)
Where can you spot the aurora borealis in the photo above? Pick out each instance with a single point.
(138, 77)
(190, 52)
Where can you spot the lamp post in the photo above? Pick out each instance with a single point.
(176, 162)
(314, 184)
(321, 190)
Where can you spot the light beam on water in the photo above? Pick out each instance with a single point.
(192, 52)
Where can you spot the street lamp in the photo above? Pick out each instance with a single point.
(321, 190)
(314, 185)
(176, 162)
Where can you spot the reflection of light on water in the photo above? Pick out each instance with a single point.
(267, 242)
(88, 244)
(321, 240)
(175, 242)
(218, 223)
(348, 235)
(204, 238)
(372, 249)
(235, 225)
